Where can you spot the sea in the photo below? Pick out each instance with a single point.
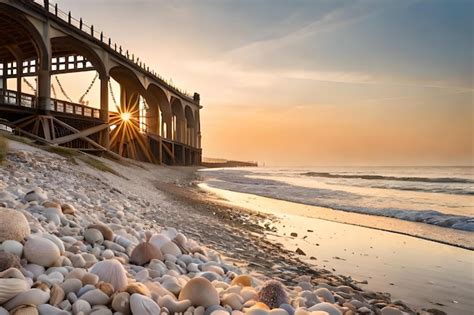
(441, 196)
(406, 230)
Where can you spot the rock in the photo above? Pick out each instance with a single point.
(390, 310)
(325, 294)
(35, 269)
(90, 278)
(325, 307)
(31, 297)
(9, 260)
(121, 303)
(12, 283)
(78, 261)
(143, 253)
(13, 225)
(93, 236)
(24, 310)
(71, 285)
(137, 287)
(233, 300)
(172, 305)
(41, 251)
(111, 271)
(81, 306)
(248, 293)
(101, 311)
(52, 278)
(36, 195)
(46, 309)
(13, 247)
(57, 295)
(95, 297)
(55, 240)
(299, 251)
(108, 254)
(170, 248)
(288, 308)
(242, 280)
(273, 294)
(294, 234)
(106, 232)
(200, 292)
(165, 245)
(68, 209)
(142, 305)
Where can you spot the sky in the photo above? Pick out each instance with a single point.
(311, 82)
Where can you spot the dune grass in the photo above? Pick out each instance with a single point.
(71, 155)
(74, 155)
(3, 148)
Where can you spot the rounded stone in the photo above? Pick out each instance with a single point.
(325, 307)
(200, 292)
(93, 236)
(390, 310)
(9, 260)
(41, 251)
(325, 294)
(143, 305)
(13, 247)
(95, 297)
(242, 280)
(107, 232)
(13, 225)
(111, 271)
(121, 303)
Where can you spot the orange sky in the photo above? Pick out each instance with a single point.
(314, 82)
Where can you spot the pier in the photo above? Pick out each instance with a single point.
(153, 120)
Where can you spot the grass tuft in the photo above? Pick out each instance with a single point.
(97, 164)
(3, 148)
(16, 138)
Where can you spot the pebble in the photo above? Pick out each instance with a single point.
(41, 251)
(142, 305)
(91, 252)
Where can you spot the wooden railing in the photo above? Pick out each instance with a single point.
(14, 98)
(19, 99)
(75, 109)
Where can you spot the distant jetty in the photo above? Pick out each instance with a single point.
(214, 163)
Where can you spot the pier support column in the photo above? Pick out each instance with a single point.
(19, 69)
(44, 90)
(104, 111)
(3, 78)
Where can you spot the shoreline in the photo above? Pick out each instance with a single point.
(418, 236)
(420, 277)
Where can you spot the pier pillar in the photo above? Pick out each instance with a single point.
(3, 78)
(19, 71)
(104, 111)
(44, 90)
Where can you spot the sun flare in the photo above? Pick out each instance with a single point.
(125, 116)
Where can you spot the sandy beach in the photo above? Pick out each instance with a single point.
(134, 198)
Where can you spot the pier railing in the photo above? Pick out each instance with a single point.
(106, 41)
(15, 98)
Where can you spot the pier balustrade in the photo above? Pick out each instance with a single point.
(14, 98)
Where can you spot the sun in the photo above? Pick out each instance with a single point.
(125, 116)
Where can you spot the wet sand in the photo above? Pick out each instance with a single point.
(423, 273)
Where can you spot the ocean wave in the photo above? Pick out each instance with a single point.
(334, 199)
(394, 178)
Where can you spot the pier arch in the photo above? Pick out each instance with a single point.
(23, 52)
(190, 126)
(162, 111)
(178, 125)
